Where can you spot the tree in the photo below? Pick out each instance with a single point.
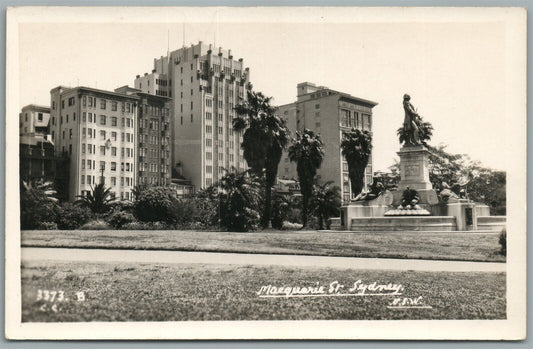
(38, 204)
(356, 147)
(265, 136)
(326, 202)
(239, 200)
(425, 132)
(98, 200)
(156, 204)
(307, 150)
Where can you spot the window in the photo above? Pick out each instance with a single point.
(89, 164)
(122, 107)
(102, 135)
(208, 116)
(54, 105)
(83, 164)
(208, 155)
(70, 133)
(102, 150)
(220, 130)
(84, 117)
(114, 120)
(220, 156)
(122, 137)
(114, 136)
(40, 116)
(114, 106)
(208, 142)
(209, 169)
(102, 165)
(82, 179)
(83, 148)
(128, 107)
(122, 152)
(208, 102)
(191, 105)
(317, 106)
(67, 119)
(102, 119)
(71, 101)
(191, 118)
(62, 104)
(102, 103)
(113, 180)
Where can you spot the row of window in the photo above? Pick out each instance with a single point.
(124, 181)
(91, 149)
(91, 165)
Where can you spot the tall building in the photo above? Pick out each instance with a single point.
(328, 113)
(97, 129)
(205, 85)
(34, 119)
(153, 129)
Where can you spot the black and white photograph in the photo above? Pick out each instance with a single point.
(266, 173)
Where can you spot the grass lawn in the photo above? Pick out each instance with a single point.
(160, 292)
(415, 245)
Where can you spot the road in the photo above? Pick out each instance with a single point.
(181, 257)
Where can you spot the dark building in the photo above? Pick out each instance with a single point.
(39, 161)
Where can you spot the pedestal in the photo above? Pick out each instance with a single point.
(414, 171)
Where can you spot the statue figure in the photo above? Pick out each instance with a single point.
(410, 200)
(411, 122)
(376, 189)
(447, 193)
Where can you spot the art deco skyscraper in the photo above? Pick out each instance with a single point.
(205, 85)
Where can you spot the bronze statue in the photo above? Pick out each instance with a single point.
(410, 199)
(411, 122)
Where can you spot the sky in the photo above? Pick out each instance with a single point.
(454, 72)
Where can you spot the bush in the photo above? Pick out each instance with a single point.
(503, 242)
(126, 206)
(36, 209)
(95, 225)
(146, 226)
(118, 219)
(72, 216)
(47, 226)
(156, 204)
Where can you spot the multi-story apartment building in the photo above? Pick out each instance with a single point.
(97, 129)
(34, 119)
(205, 85)
(153, 129)
(329, 113)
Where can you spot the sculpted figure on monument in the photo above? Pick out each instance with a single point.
(410, 200)
(411, 122)
(414, 130)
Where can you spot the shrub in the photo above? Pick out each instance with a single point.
(503, 242)
(118, 219)
(72, 216)
(146, 226)
(156, 204)
(95, 225)
(280, 209)
(36, 209)
(126, 206)
(47, 226)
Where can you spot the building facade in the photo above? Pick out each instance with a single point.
(329, 113)
(153, 129)
(34, 119)
(97, 130)
(205, 85)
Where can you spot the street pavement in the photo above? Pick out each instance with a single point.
(182, 257)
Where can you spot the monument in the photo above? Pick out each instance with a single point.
(415, 205)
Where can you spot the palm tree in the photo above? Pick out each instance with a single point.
(307, 150)
(239, 198)
(356, 147)
(265, 136)
(98, 200)
(425, 131)
(45, 188)
(326, 202)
